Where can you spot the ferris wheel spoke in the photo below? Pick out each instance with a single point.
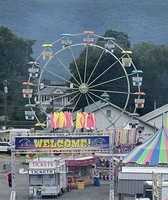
(67, 70)
(60, 87)
(58, 40)
(112, 80)
(86, 60)
(95, 66)
(66, 80)
(37, 60)
(110, 102)
(99, 108)
(110, 91)
(103, 72)
(77, 101)
(68, 103)
(65, 95)
(87, 102)
(76, 66)
(118, 46)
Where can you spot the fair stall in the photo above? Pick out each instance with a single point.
(47, 175)
(81, 169)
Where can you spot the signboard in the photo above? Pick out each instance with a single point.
(35, 172)
(126, 148)
(42, 164)
(61, 143)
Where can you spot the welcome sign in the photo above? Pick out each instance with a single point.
(61, 143)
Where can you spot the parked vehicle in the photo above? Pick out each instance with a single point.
(5, 147)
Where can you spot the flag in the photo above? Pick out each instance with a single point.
(62, 120)
(85, 118)
(91, 121)
(79, 120)
(69, 121)
(56, 119)
(52, 120)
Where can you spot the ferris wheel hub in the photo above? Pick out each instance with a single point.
(83, 88)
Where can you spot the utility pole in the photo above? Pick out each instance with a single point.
(5, 100)
(111, 167)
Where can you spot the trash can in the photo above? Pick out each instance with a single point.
(80, 185)
(96, 181)
(39, 192)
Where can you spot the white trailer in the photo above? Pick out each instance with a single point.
(164, 190)
(47, 175)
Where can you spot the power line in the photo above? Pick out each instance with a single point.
(5, 99)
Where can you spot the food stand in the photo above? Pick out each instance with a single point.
(81, 171)
(47, 175)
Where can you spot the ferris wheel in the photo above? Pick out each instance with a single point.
(83, 72)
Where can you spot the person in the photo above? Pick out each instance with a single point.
(10, 178)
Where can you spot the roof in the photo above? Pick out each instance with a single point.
(155, 113)
(92, 108)
(83, 161)
(47, 90)
(4, 131)
(99, 105)
(142, 170)
(154, 151)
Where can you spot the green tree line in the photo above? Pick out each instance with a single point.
(15, 53)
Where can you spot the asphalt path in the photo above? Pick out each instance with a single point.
(89, 193)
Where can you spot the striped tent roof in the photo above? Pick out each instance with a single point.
(154, 151)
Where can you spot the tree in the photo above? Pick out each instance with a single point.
(15, 53)
(153, 59)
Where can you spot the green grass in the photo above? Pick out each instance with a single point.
(5, 155)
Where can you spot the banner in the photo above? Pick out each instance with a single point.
(122, 136)
(61, 143)
(126, 148)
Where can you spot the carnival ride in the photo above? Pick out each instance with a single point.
(79, 61)
(93, 68)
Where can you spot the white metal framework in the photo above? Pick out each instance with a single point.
(64, 151)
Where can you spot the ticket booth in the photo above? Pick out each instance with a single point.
(48, 174)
